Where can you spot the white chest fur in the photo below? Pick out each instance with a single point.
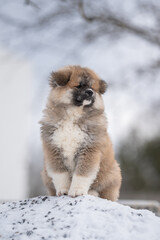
(68, 137)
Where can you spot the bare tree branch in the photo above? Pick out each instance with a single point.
(42, 21)
(29, 2)
(151, 36)
(109, 21)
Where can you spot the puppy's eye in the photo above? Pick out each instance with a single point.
(79, 86)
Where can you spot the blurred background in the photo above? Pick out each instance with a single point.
(120, 41)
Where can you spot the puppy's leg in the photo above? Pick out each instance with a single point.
(111, 183)
(61, 181)
(56, 170)
(85, 173)
(48, 183)
(110, 193)
(93, 193)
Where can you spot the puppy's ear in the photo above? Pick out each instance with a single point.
(102, 86)
(60, 78)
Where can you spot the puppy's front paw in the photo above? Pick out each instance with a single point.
(93, 193)
(62, 191)
(74, 192)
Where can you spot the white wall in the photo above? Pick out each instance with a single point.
(15, 103)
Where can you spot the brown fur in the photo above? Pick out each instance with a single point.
(96, 151)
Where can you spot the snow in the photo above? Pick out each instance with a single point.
(84, 217)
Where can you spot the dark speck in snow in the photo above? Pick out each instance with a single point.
(65, 235)
(44, 199)
(23, 204)
(69, 212)
(139, 214)
(29, 233)
(68, 226)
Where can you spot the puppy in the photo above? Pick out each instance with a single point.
(78, 153)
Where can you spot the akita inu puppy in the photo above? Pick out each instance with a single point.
(78, 153)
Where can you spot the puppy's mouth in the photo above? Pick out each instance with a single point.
(83, 98)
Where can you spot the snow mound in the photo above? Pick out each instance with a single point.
(84, 217)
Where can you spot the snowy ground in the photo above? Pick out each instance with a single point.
(85, 217)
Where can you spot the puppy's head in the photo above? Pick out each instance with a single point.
(77, 86)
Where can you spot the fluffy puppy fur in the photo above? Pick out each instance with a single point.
(78, 153)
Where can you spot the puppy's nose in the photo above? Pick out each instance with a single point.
(89, 92)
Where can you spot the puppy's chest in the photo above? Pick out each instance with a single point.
(68, 137)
